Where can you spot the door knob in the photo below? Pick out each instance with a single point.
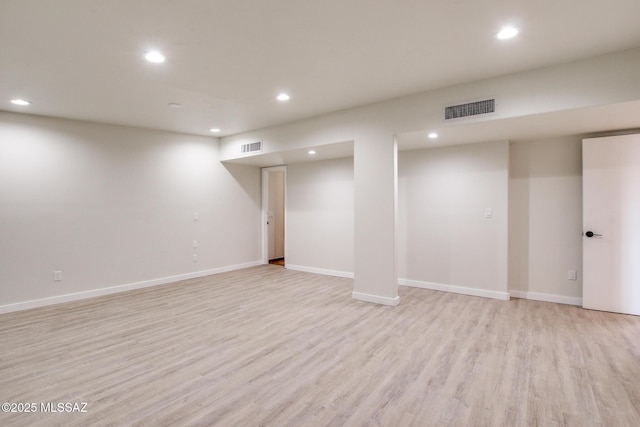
(592, 234)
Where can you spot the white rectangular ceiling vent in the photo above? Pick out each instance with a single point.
(252, 147)
(471, 109)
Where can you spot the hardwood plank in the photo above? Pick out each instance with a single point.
(268, 346)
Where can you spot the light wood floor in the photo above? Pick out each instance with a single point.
(268, 346)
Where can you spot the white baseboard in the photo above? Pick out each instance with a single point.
(455, 289)
(355, 295)
(326, 272)
(25, 305)
(375, 299)
(560, 299)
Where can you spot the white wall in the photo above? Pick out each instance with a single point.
(444, 240)
(603, 80)
(443, 237)
(545, 226)
(113, 206)
(320, 221)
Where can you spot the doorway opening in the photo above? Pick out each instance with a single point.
(273, 213)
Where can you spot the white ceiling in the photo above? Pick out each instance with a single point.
(227, 60)
(299, 155)
(586, 122)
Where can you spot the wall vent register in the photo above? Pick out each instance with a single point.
(470, 109)
(253, 147)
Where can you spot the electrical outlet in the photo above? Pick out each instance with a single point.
(57, 276)
(573, 275)
(196, 216)
(195, 244)
(195, 257)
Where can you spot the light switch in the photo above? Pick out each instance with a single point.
(488, 213)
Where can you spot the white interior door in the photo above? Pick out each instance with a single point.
(273, 211)
(275, 214)
(611, 221)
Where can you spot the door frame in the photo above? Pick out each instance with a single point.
(265, 209)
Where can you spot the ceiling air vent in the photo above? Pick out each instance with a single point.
(470, 109)
(253, 147)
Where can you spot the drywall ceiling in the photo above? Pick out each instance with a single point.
(585, 122)
(301, 155)
(227, 60)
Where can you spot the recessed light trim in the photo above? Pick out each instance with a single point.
(155, 57)
(20, 102)
(312, 152)
(215, 130)
(432, 135)
(174, 105)
(283, 97)
(507, 32)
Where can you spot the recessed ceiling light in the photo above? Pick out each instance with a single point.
(174, 105)
(21, 102)
(215, 130)
(283, 97)
(154, 56)
(312, 152)
(432, 135)
(507, 33)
